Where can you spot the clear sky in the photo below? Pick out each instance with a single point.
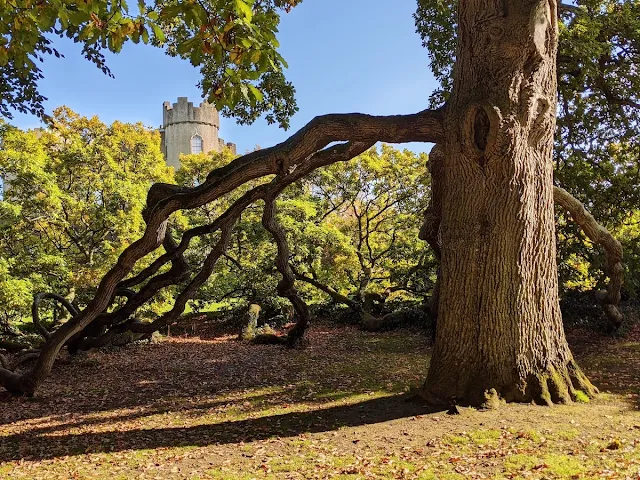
(343, 56)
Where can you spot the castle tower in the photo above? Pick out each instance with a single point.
(188, 129)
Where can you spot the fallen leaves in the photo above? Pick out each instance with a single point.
(218, 409)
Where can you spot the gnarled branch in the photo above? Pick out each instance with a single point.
(37, 300)
(286, 286)
(610, 298)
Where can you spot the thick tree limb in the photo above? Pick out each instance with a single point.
(283, 159)
(610, 298)
(286, 286)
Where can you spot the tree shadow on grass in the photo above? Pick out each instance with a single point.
(32, 446)
(180, 374)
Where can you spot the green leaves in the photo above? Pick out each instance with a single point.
(243, 9)
(345, 223)
(234, 43)
(75, 200)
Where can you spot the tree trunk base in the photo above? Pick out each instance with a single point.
(556, 385)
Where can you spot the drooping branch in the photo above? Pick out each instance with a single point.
(610, 298)
(225, 222)
(334, 294)
(99, 337)
(92, 336)
(286, 286)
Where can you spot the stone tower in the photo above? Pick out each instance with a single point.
(188, 129)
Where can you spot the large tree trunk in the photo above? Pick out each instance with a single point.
(499, 324)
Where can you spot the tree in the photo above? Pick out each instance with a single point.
(499, 328)
(599, 108)
(374, 201)
(73, 204)
(353, 229)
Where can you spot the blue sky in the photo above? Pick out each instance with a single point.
(343, 56)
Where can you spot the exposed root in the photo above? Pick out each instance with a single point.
(556, 385)
(270, 339)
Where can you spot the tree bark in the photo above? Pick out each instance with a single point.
(430, 230)
(499, 330)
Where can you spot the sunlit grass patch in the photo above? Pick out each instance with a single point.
(563, 465)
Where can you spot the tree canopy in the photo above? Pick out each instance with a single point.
(233, 43)
(73, 199)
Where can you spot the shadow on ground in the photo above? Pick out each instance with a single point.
(187, 392)
(39, 447)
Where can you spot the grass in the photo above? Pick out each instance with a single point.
(213, 408)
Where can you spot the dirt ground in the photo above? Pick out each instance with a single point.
(209, 407)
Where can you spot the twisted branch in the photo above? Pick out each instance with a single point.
(37, 300)
(610, 299)
(286, 286)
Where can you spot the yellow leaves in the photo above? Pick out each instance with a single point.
(97, 21)
(234, 56)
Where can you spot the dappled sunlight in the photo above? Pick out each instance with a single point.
(223, 409)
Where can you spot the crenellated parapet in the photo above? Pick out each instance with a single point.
(184, 112)
(187, 129)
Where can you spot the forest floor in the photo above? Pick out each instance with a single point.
(209, 407)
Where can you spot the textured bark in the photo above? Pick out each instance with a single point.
(610, 298)
(430, 230)
(499, 327)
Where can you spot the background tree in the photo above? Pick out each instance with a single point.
(73, 203)
(375, 201)
(353, 228)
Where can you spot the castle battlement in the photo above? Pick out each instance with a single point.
(184, 112)
(188, 129)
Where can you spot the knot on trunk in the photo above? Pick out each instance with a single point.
(480, 130)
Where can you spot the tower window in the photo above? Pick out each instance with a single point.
(196, 144)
